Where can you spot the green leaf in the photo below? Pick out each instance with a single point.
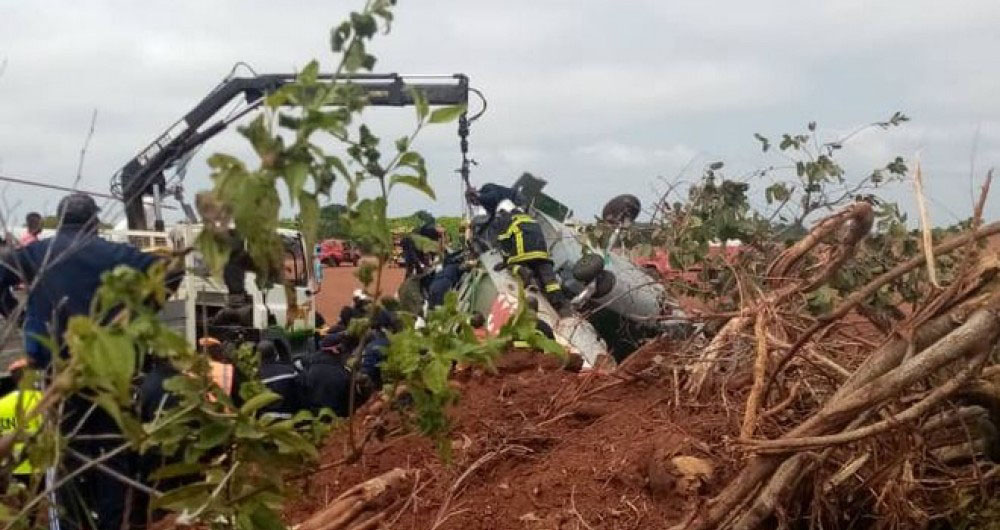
(190, 496)
(309, 217)
(258, 402)
(413, 181)
(213, 434)
(264, 518)
(403, 143)
(310, 73)
(435, 375)
(339, 36)
(180, 469)
(296, 174)
(447, 114)
(765, 144)
(419, 103)
(364, 24)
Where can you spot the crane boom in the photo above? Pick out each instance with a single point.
(143, 175)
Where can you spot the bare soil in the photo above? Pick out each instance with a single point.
(340, 282)
(534, 446)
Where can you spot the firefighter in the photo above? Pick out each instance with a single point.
(327, 383)
(490, 195)
(445, 277)
(526, 254)
(416, 260)
(384, 323)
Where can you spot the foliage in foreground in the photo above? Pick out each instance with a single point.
(223, 465)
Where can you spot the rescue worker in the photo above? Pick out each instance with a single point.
(327, 383)
(540, 324)
(526, 253)
(490, 195)
(13, 408)
(33, 227)
(445, 278)
(415, 259)
(280, 377)
(63, 274)
(383, 324)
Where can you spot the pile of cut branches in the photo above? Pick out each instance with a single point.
(843, 423)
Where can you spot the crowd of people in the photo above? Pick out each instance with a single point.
(344, 370)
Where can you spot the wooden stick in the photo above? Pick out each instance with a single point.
(925, 226)
(759, 378)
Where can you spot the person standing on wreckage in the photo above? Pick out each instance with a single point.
(64, 273)
(526, 253)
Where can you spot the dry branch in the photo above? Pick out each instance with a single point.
(345, 510)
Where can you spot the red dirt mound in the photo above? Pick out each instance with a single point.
(534, 446)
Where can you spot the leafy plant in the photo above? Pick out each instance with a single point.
(422, 358)
(221, 464)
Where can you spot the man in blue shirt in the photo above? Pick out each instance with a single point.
(62, 273)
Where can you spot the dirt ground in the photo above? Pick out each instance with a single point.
(540, 448)
(340, 282)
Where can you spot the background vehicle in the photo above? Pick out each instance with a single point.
(201, 295)
(333, 252)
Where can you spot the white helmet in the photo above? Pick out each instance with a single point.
(506, 206)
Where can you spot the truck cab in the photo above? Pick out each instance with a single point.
(202, 295)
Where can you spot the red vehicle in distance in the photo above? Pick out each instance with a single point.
(333, 252)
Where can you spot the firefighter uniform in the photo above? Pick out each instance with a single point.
(13, 409)
(523, 244)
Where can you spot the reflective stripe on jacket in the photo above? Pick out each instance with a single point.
(522, 240)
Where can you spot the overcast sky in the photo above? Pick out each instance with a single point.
(598, 96)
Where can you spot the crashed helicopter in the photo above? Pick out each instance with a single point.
(615, 304)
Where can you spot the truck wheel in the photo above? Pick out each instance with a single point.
(605, 283)
(622, 208)
(588, 267)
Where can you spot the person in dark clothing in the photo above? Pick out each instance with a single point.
(384, 323)
(490, 195)
(32, 228)
(540, 324)
(327, 384)
(282, 378)
(526, 253)
(358, 308)
(63, 273)
(445, 278)
(415, 259)
(234, 272)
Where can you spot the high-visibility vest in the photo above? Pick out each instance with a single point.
(13, 407)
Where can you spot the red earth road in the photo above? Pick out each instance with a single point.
(340, 282)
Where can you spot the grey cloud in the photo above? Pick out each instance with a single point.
(596, 96)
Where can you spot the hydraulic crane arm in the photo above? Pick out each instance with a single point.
(143, 175)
